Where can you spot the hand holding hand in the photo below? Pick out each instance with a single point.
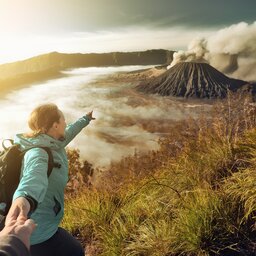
(19, 210)
(22, 228)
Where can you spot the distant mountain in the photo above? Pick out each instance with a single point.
(62, 61)
(47, 66)
(25, 79)
(190, 79)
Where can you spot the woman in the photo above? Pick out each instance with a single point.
(38, 196)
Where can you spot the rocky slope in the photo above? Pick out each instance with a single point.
(190, 79)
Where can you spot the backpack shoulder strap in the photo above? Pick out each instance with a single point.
(51, 163)
(50, 160)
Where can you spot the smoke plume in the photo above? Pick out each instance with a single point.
(231, 50)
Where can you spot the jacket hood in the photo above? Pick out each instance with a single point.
(42, 140)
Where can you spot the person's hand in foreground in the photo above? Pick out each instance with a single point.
(21, 228)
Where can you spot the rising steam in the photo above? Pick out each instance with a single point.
(231, 50)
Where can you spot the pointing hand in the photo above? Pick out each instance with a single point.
(89, 114)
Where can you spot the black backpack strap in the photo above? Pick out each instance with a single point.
(51, 163)
(50, 160)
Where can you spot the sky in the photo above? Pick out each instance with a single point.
(33, 27)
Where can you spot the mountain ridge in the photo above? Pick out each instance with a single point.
(72, 60)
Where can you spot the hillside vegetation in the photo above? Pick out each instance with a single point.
(196, 196)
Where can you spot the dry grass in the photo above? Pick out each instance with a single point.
(195, 196)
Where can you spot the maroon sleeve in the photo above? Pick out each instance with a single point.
(11, 245)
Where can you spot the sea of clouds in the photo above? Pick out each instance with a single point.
(126, 120)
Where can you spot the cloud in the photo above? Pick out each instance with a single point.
(126, 120)
(232, 50)
(28, 16)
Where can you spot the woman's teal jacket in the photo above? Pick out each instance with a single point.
(48, 192)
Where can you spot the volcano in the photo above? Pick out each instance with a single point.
(190, 79)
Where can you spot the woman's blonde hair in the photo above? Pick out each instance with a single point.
(42, 118)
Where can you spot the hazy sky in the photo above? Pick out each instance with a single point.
(31, 27)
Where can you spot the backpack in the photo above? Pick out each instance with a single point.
(10, 169)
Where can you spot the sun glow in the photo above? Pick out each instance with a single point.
(15, 47)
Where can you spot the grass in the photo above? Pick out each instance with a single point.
(198, 201)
